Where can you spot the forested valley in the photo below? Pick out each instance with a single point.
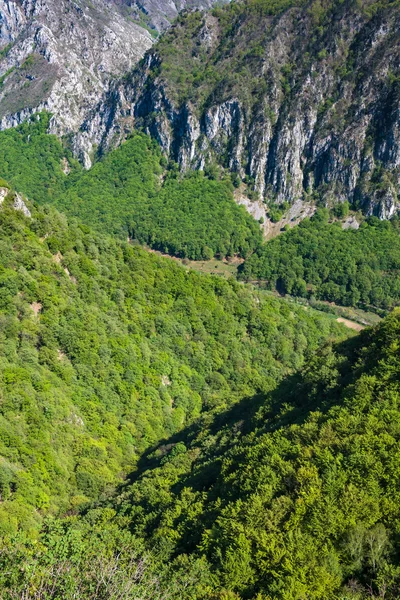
(258, 439)
(167, 433)
(105, 350)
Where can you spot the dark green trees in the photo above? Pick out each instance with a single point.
(130, 193)
(321, 259)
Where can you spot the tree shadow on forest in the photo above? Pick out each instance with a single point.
(291, 402)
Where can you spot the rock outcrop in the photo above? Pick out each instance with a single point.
(17, 201)
(60, 56)
(158, 14)
(305, 107)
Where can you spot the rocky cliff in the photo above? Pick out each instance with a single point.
(302, 105)
(158, 14)
(60, 56)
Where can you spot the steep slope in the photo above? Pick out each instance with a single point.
(291, 496)
(159, 14)
(131, 193)
(301, 99)
(60, 56)
(105, 349)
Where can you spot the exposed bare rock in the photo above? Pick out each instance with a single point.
(17, 200)
(159, 14)
(60, 56)
(351, 223)
(19, 204)
(320, 122)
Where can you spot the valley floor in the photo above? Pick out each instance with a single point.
(353, 318)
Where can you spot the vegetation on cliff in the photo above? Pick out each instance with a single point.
(130, 193)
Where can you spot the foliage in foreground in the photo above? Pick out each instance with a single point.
(293, 495)
(92, 560)
(105, 349)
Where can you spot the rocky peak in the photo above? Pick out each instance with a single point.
(60, 56)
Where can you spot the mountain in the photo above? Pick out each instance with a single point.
(61, 56)
(300, 99)
(131, 193)
(285, 494)
(159, 14)
(105, 349)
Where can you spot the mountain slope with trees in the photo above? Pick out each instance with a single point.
(291, 495)
(299, 98)
(105, 349)
(320, 260)
(131, 193)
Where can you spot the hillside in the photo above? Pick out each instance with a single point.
(199, 300)
(288, 494)
(321, 260)
(131, 192)
(292, 495)
(299, 98)
(105, 349)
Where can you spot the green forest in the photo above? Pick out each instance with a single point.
(258, 441)
(320, 260)
(105, 349)
(130, 192)
(232, 434)
(293, 494)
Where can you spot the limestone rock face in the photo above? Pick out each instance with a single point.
(159, 14)
(323, 121)
(63, 55)
(18, 202)
(60, 56)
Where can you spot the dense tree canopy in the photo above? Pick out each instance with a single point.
(292, 495)
(105, 349)
(320, 259)
(129, 192)
(283, 486)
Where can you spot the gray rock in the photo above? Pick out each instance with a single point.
(18, 203)
(60, 56)
(335, 133)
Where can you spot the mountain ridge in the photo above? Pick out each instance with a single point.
(305, 109)
(62, 56)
